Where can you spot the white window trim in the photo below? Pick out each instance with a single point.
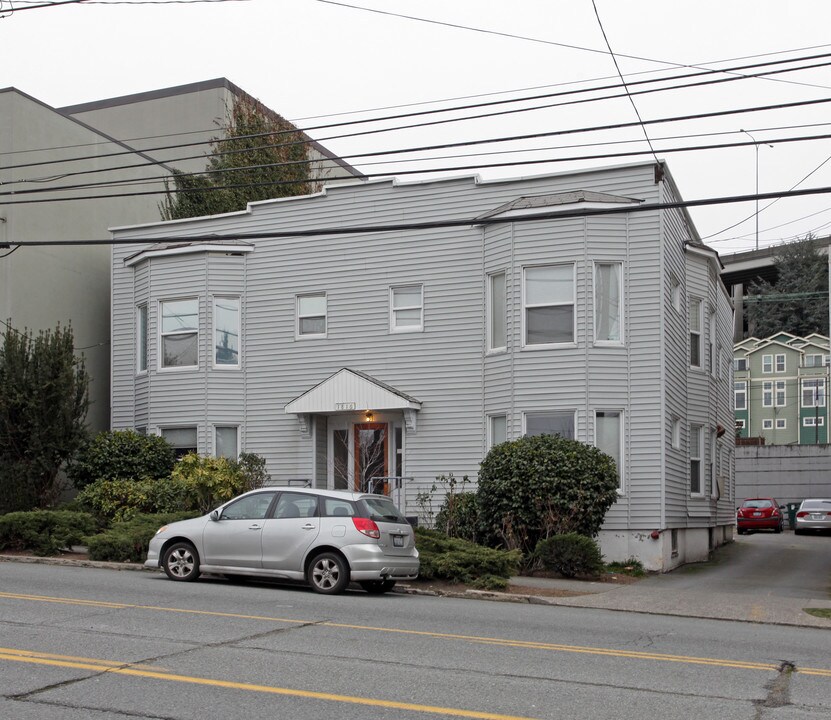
(781, 423)
(610, 343)
(621, 489)
(573, 303)
(675, 293)
(737, 391)
(767, 424)
(161, 335)
(776, 362)
(767, 387)
(776, 389)
(820, 388)
(492, 349)
(298, 317)
(420, 307)
(675, 439)
(490, 427)
(711, 342)
(740, 423)
(767, 359)
(549, 411)
(697, 332)
(697, 456)
(142, 349)
(813, 421)
(226, 425)
(179, 426)
(238, 364)
(736, 362)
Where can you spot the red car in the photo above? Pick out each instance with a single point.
(759, 514)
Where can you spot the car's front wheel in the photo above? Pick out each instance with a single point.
(328, 573)
(181, 562)
(377, 587)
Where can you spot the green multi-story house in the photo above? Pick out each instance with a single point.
(780, 389)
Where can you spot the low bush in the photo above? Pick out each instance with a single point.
(632, 566)
(44, 532)
(570, 554)
(457, 560)
(459, 516)
(118, 500)
(127, 541)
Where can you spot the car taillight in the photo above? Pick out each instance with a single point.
(802, 513)
(367, 527)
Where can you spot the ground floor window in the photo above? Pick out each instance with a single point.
(182, 439)
(497, 430)
(608, 432)
(227, 441)
(550, 423)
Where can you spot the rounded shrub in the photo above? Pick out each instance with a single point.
(570, 554)
(118, 500)
(536, 487)
(459, 516)
(121, 455)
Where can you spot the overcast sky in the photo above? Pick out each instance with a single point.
(307, 58)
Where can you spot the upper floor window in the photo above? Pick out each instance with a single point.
(311, 315)
(675, 293)
(695, 332)
(608, 302)
(179, 333)
(497, 326)
(550, 423)
(226, 332)
(676, 433)
(695, 459)
(780, 363)
(780, 393)
(813, 393)
(740, 364)
(767, 394)
(711, 345)
(406, 308)
(740, 392)
(141, 338)
(767, 363)
(549, 304)
(815, 360)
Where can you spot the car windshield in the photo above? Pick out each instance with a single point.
(757, 504)
(383, 509)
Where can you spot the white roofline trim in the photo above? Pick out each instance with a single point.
(187, 250)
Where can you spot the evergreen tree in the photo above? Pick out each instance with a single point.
(798, 301)
(43, 403)
(262, 156)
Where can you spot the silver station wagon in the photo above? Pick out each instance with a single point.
(327, 538)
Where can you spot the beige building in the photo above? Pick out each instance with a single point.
(137, 139)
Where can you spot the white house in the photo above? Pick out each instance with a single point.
(379, 334)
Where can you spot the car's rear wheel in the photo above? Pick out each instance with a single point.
(377, 587)
(778, 528)
(741, 532)
(181, 562)
(328, 573)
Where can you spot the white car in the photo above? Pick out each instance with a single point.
(327, 538)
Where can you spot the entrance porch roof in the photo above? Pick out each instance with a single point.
(350, 391)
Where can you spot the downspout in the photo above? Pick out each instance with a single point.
(662, 373)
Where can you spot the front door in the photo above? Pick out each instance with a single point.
(371, 453)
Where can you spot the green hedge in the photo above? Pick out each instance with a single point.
(570, 554)
(457, 560)
(127, 541)
(119, 500)
(44, 532)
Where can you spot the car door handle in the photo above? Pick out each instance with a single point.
(255, 526)
(309, 526)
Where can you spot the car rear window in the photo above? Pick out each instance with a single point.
(816, 505)
(334, 507)
(757, 504)
(383, 510)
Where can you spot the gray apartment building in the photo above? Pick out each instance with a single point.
(376, 335)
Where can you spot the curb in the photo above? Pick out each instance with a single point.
(67, 562)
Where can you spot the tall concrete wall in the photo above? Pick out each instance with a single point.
(789, 473)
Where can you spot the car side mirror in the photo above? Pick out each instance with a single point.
(214, 515)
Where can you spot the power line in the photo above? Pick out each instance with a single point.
(434, 224)
(278, 133)
(419, 171)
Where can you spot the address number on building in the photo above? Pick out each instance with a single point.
(345, 406)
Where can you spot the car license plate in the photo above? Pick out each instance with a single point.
(816, 516)
(757, 514)
(398, 541)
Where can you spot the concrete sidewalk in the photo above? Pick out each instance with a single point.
(656, 595)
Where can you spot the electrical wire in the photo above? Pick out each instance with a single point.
(278, 133)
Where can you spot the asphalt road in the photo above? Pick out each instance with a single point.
(96, 644)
